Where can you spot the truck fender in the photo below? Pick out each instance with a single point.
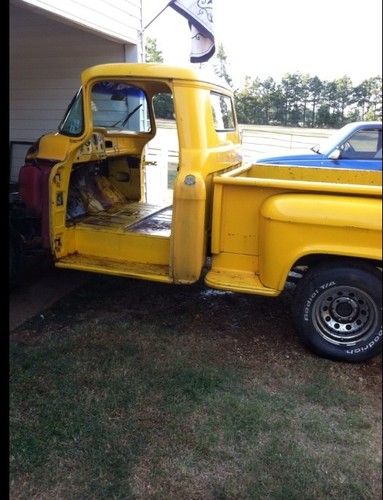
(300, 224)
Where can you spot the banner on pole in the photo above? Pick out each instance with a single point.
(199, 13)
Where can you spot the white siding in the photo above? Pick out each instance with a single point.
(119, 19)
(46, 59)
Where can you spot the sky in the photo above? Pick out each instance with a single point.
(261, 38)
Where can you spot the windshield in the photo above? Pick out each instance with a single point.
(338, 137)
(119, 106)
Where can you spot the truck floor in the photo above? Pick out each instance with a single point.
(132, 217)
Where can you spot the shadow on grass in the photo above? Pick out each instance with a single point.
(137, 390)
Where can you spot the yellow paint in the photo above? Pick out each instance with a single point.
(260, 219)
(273, 216)
(116, 267)
(54, 147)
(128, 247)
(202, 153)
(189, 239)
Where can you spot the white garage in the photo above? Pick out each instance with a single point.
(49, 47)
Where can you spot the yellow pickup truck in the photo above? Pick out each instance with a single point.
(253, 225)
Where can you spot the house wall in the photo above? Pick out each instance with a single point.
(46, 60)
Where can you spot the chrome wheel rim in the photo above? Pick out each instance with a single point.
(344, 315)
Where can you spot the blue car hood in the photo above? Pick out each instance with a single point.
(290, 158)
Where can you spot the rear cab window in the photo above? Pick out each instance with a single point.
(223, 112)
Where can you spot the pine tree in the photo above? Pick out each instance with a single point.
(152, 53)
(220, 66)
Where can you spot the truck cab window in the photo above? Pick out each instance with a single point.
(162, 153)
(163, 106)
(223, 114)
(119, 106)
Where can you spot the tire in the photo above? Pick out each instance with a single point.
(338, 312)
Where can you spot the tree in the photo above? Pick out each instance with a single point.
(163, 106)
(362, 98)
(344, 95)
(267, 89)
(305, 97)
(328, 113)
(220, 66)
(247, 103)
(375, 103)
(315, 91)
(323, 116)
(292, 90)
(152, 53)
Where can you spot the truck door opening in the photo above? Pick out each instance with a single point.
(109, 214)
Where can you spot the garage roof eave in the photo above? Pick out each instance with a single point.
(72, 19)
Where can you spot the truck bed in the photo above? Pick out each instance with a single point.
(305, 178)
(267, 217)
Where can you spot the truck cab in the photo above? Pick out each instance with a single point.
(87, 180)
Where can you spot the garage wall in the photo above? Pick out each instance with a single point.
(46, 59)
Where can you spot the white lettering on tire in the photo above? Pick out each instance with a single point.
(327, 285)
(368, 346)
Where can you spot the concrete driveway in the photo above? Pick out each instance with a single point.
(40, 288)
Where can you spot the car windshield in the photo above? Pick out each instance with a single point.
(118, 105)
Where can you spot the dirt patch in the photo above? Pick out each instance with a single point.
(256, 329)
(39, 288)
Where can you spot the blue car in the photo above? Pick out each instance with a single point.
(357, 145)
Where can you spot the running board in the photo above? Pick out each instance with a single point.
(138, 270)
(238, 281)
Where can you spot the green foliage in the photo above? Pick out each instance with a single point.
(152, 53)
(297, 100)
(220, 65)
(163, 106)
(306, 101)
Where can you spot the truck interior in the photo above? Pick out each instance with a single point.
(107, 191)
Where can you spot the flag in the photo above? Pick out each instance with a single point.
(199, 13)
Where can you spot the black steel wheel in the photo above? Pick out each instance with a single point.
(338, 311)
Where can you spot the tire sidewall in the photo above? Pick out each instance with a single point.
(312, 287)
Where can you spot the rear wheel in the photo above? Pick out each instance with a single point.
(338, 311)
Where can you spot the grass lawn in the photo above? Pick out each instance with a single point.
(129, 389)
